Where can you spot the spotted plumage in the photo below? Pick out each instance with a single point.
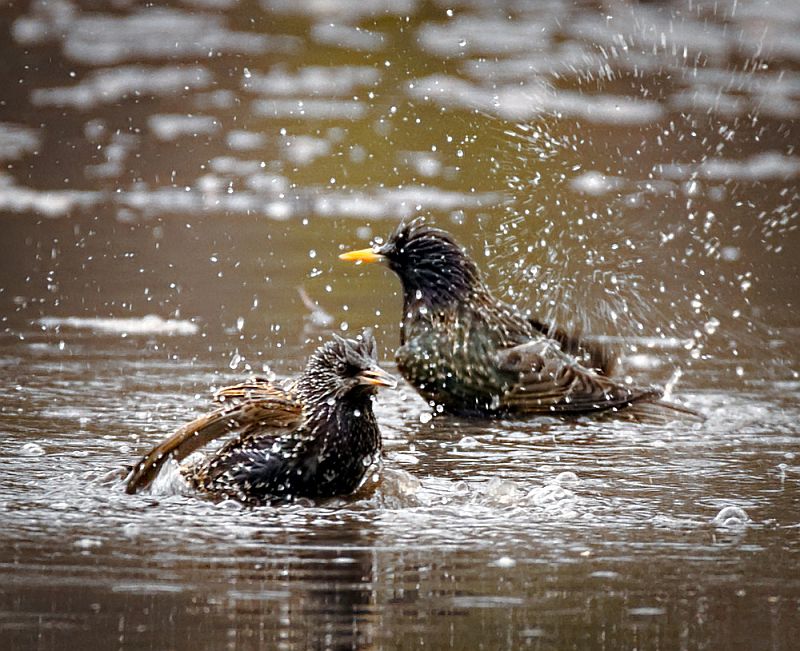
(316, 438)
(472, 354)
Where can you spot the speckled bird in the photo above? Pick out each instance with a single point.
(317, 437)
(474, 355)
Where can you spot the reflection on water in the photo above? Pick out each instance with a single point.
(176, 184)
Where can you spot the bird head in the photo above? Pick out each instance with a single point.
(432, 266)
(343, 367)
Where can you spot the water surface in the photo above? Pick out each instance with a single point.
(177, 182)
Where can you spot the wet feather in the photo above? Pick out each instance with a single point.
(472, 354)
(316, 437)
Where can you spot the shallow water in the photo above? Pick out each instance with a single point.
(176, 185)
(542, 532)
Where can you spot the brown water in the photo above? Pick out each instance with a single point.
(172, 175)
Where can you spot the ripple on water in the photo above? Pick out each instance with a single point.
(343, 11)
(109, 86)
(31, 450)
(16, 141)
(168, 128)
(150, 324)
(731, 517)
(348, 37)
(155, 33)
(531, 101)
(313, 81)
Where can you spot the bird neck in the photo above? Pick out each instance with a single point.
(444, 299)
(344, 424)
(476, 313)
(439, 293)
(329, 401)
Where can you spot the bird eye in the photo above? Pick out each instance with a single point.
(344, 368)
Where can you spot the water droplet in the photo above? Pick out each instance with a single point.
(31, 450)
(731, 517)
(503, 561)
(87, 543)
(567, 478)
(236, 359)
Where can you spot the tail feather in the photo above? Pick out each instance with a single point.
(660, 412)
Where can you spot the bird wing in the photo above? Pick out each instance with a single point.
(550, 381)
(594, 354)
(256, 387)
(255, 406)
(257, 469)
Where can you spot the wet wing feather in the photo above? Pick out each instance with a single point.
(594, 354)
(254, 388)
(549, 381)
(256, 407)
(258, 469)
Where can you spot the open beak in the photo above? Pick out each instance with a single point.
(362, 255)
(376, 376)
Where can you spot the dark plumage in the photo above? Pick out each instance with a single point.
(473, 354)
(315, 438)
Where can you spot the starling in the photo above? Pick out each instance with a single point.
(470, 354)
(315, 438)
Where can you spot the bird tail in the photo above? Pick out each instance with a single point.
(661, 412)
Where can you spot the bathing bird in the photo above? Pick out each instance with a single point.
(468, 353)
(316, 437)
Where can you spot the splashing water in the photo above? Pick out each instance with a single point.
(600, 241)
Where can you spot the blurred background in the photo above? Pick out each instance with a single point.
(629, 166)
(177, 181)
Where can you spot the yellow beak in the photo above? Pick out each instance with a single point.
(362, 255)
(377, 377)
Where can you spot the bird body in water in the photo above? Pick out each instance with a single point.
(474, 355)
(315, 438)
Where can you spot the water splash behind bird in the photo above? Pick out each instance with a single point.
(468, 353)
